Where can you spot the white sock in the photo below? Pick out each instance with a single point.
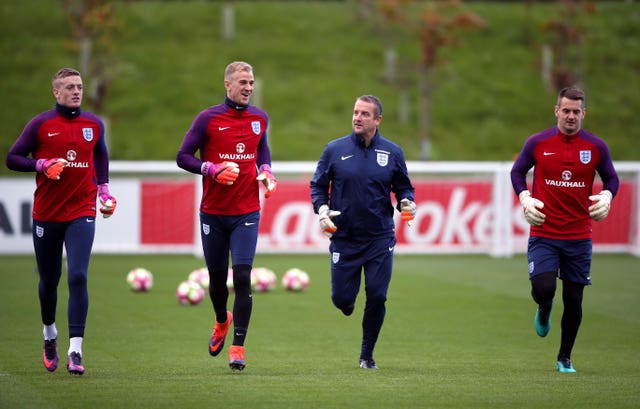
(50, 331)
(75, 345)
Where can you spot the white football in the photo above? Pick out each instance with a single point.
(201, 276)
(189, 293)
(263, 279)
(295, 279)
(230, 279)
(140, 280)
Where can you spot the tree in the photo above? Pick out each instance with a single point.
(566, 40)
(94, 24)
(436, 25)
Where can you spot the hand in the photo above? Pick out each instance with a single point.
(224, 173)
(51, 168)
(266, 177)
(530, 205)
(600, 209)
(107, 202)
(326, 224)
(407, 210)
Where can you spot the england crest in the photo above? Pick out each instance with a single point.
(39, 231)
(255, 126)
(88, 134)
(382, 158)
(206, 229)
(335, 257)
(585, 157)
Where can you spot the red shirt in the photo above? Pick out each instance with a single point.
(81, 142)
(225, 134)
(565, 168)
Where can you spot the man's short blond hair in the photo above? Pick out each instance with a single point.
(63, 73)
(236, 66)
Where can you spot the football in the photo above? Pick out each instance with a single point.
(263, 280)
(201, 276)
(295, 279)
(189, 293)
(230, 279)
(140, 280)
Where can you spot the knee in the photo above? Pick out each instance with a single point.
(376, 299)
(242, 278)
(543, 287)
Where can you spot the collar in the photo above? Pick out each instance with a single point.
(359, 140)
(232, 104)
(69, 113)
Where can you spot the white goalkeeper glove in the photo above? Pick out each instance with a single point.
(407, 210)
(327, 226)
(224, 173)
(107, 202)
(266, 177)
(531, 205)
(600, 209)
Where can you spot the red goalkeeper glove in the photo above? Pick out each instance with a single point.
(266, 177)
(224, 173)
(107, 202)
(51, 168)
(326, 224)
(407, 210)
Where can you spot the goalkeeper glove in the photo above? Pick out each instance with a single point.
(52, 168)
(326, 224)
(530, 207)
(407, 210)
(600, 209)
(224, 173)
(107, 202)
(266, 177)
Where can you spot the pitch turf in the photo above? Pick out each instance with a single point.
(458, 334)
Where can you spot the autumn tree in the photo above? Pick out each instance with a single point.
(566, 40)
(436, 25)
(94, 24)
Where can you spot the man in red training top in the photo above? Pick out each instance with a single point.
(233, 153)
(559, 209)
(66, 148)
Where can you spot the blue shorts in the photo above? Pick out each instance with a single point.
(224, 235)
(569, 259)
(349, 260)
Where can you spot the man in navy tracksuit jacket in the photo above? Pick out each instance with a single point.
(351, 192)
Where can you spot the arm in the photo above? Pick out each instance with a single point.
(321, 181)
(193, 141)
(18, 157)
(610, 183)
(401, 184)
(101, 158)
(403, 190)
(523, 163)
(265, 175)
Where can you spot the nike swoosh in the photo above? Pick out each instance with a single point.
(89, 220)
(548, 153)
(222, 128)
(248, 224)
(390, 248)
(53, 133)
(345, 157)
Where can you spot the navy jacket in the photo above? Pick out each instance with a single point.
(358, 181)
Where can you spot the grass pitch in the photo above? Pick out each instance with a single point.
(458, 334)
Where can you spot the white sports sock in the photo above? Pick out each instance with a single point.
(50, 331)
(75, 345)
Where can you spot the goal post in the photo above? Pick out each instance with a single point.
(462, 207)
